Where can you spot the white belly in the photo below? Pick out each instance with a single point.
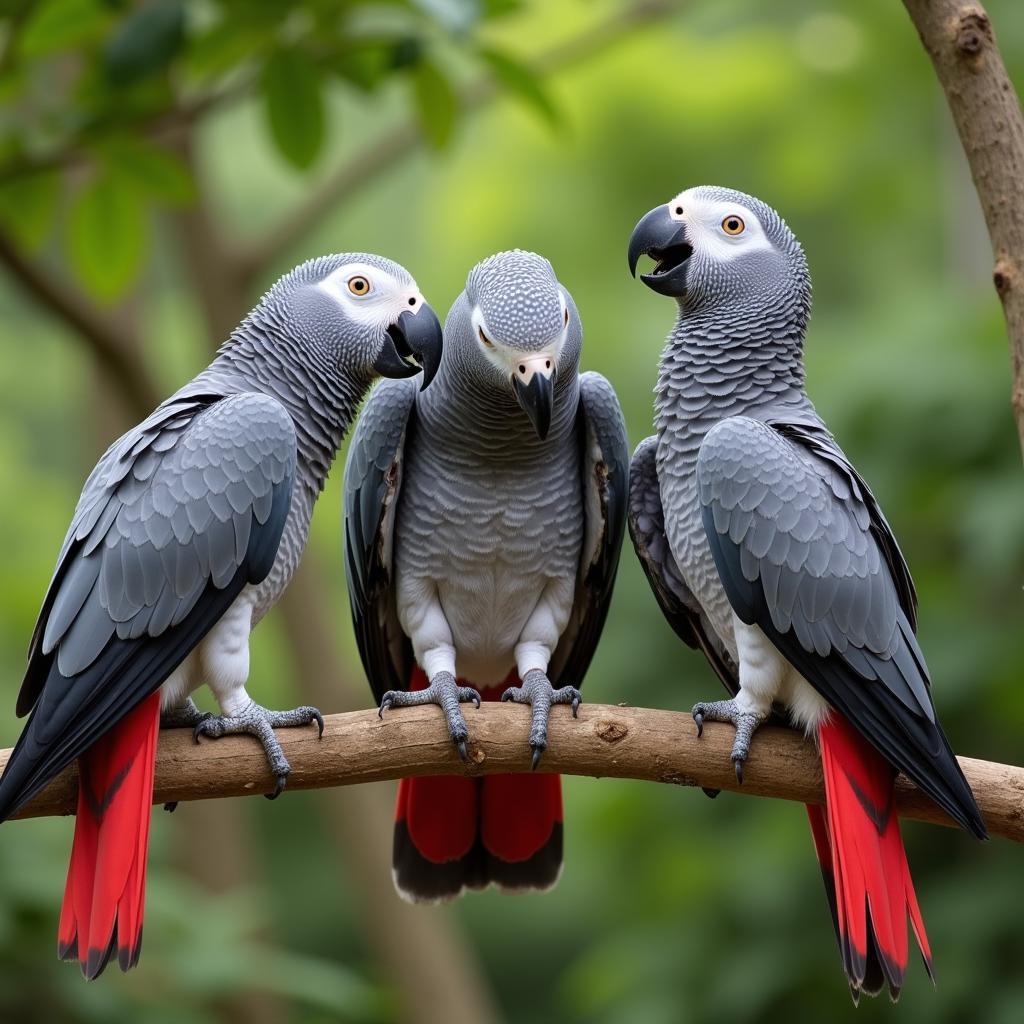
(486, 612)
(220, 660)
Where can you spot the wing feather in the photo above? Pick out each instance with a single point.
(675, 599)
(147, 568)
(373, 480)
(605, 461)
(837, 600)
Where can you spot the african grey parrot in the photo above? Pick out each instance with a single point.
(483, 523)
(767, 550)
(186, 534)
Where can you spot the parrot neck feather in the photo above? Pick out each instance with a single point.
(715, 366)
(322, 400)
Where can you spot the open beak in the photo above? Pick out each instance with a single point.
(662, 238)
(413, 343)
(533, 381)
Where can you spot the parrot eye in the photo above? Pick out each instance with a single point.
(358, 285)
(483, 337)
(733, 225)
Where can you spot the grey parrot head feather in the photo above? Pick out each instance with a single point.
(514, 334)
(719, 249)
(354, 314)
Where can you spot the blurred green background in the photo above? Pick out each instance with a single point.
(162, 162)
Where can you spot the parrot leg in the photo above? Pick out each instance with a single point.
(259, 722)
(746, 723)
(444, 690)
(185, 716)
(538, 692)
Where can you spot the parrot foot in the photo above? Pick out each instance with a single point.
(746, 723)
(538, 692)
(185, 716)
(444, 691)
(259, 722)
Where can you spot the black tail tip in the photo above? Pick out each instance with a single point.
(420, 880)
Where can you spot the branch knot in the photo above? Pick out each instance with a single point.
(974, 33)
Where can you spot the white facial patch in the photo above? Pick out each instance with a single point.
(508, 359)
(707, 221)
(371, 296)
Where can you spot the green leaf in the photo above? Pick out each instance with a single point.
(517, 78)
(223, 47)
(60, 25)
(154, 171)
(436, 103)
(365, 63)
(145, 41)
(294, 107)
(106, 235)
(27, 206)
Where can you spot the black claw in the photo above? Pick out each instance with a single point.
(170, 806)
(383, 704)
(739, 770)
(698, 719)
(537, 751)
(278, 789)
(710, 793)
(319, 719)
(198, 730)
(507, 695)
(476, 700)
(463, 753)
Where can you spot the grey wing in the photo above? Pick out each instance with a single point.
(373, 480)
(604, 453)
(681, 609)
(179, 516)
(796, 543)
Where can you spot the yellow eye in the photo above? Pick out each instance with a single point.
(733, 225)
(358, 285)
(483, 337)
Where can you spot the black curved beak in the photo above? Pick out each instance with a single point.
(413, 342)
(536, 400)
(664, 240)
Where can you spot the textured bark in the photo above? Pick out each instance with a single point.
(959, 39)
(606, 741)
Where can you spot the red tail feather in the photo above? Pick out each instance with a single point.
(453, 833)
(103, 899)
(858, 842)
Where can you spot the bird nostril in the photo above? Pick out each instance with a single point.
(547, 364)
(522, 368)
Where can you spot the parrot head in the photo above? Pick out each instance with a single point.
(716, 247)
(516, 330)
(357, 313)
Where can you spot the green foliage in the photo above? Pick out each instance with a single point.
(672, 908)
(436, 103)
(100, 86)
(294, 106)
(106, 233)
(519, 80)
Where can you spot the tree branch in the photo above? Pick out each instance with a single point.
(959, 39)
(366, 167)
(606, 741)
(114, 349)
